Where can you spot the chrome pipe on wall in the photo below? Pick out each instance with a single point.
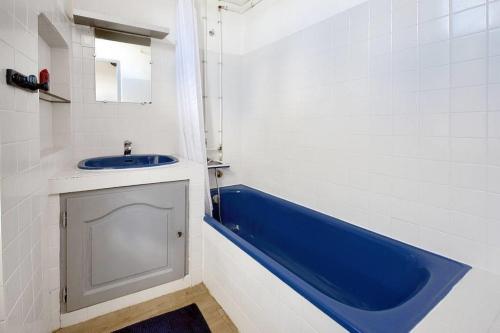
(221, 87)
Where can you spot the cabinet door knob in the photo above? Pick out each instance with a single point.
(179, 234)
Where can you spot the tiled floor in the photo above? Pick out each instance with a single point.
(216, 318)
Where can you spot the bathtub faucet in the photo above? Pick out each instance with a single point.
(127, 147)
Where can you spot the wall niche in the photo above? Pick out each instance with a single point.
(55, 107)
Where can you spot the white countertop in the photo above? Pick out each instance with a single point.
(73, 179)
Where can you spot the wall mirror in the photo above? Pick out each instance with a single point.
(122, 67)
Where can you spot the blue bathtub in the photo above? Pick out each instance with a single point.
(364, 281)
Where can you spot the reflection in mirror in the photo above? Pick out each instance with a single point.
(107, 80)
(122, 67)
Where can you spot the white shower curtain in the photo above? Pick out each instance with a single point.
(189, 91)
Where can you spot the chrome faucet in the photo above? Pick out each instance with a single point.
(127, 147)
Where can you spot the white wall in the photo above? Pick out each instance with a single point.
(24, 293)
(272, 20)
(100, 128)
(384, 116)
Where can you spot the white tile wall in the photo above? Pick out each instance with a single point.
(23, 287)
(391, 125)
(29, 220)
(101, 128)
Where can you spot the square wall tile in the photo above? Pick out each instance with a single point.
(469, 47)
(494, 14)
(467, 99)
(434, 101)
(469, 124)
(435, 78)
(459, 5)
(494, 151)
(435, 54)
(494, 70)
(493, 206)
(494, 124)
(469, 73)
(404, 14)
(494, 179)
(472, 176)
(494, 97)
(359, 18)
(405, 38)
(469, 21)
(431, 9)
(435, 124)
(494, 48)
(380, 17)
(469, 150)
(434, 30)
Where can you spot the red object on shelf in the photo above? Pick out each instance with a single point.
(44, 79)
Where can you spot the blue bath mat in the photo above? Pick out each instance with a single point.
(185, 320)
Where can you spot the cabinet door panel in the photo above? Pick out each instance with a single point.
(132, 248)
(123, 240)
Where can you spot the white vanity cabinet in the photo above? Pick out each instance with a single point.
(121, 240)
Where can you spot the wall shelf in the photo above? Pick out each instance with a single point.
(217, 165)
(50, 97)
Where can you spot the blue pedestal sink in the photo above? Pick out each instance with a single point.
(126, 162)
